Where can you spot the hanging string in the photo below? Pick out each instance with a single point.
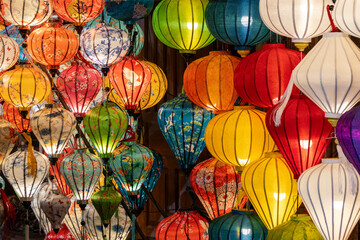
(333, 27)
(31, 160)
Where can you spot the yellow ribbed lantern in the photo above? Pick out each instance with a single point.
(271, 188)
(239, 137)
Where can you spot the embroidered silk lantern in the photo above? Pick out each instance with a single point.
(302, 133)
(262, 77)
(217, 185)
(183, 125)
(63, 234)
(9, 52)
(209, 81)
(238, 224)
(239, 137)
(271, 188)
(73, 220)
(180, 24)
(7, 139)
(13, 115)
(14, 32)
(39, 213)
(129, 11)
(54, 170)
(345, 17)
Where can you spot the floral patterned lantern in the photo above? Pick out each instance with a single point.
(53, 128)
(183, 225)
(39, 213)
(13, 32)
(12, 114)
(217, 185)
(183, 125)
(63, 234)
(54, 171)
(7, 139)
(9, 52)
(129, 11)
(74, 219)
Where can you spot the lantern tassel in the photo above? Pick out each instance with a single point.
(279, 109)
(352, 172)
(31, 161)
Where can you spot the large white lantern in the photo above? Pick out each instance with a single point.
(346, 16)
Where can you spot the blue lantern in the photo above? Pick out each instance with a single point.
(236, 23)
(239, 224)
(183, 125)
(13, 32)
(129, 11)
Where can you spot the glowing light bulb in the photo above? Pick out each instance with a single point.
(246, 231)
(279, 196)
(243, 162)
(245, 21)
(192, 26)
(338, 205)
(305, 144)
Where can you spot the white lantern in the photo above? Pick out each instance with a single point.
(330, 192)
(330, 75)
(9, 52)
(73, 221)
(39, 214)
(346, 16)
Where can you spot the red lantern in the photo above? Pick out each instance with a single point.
(209, 81)
(183, 225)
(12, 114)
(61, 183)
(63, 234)
(261, 78)
(301, 135)
(217, 186)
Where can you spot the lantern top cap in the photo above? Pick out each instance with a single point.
(335, 34)
(216, 53)
(330, 160)
(273, 155)
(242, 212)
(301, 217)
(274, 45)
(244, 107)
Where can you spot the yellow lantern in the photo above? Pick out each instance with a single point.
(271, 188)
(239, 137)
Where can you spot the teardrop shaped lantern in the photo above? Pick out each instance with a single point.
(209, 81)
(53, 128)
(217, 185)
(54, 171)
(238, 224)
(330, 192)
(329, 75)
(9, 52)
(63, 234)
(271, 189)
(180, 24)
(13, 115)
(345, 16)
(239, 137)
(302, 133)
(183, 125)
(7, 139)
(74, 219)
(129, 11)
(38, 212)
(262, 77)
(14, 32)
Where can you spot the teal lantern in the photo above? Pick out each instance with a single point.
(129, 11)
(238, 225)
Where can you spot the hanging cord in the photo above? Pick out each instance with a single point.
(333, 27)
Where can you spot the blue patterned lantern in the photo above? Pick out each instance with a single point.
(239, 224)
(183, 125)
(13, 32)
(237, 23)
(129, 11)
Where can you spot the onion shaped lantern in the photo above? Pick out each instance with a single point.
(302, 133)
(129, 11)
(9, 52)
(54, 171)
(329, 75)
(237, 23)
(271, 189)
(13, 115)
(81, 171)
(345, 17)
(262, 77)
(14, 32)
(183, 225)
(238, 224)
(105, 125)
(39, 213)
(181, 25)
(217, 185)
(73, 220)
(7, 139)
(330, 192)
(53, 128)
(239, 137)
(209, 81)
(63, 234)
(183, 125)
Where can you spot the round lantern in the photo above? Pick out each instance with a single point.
(330, 192)
(237, 23)
(105, 125)
(209, 81)
(54, 171)
(53, 128)
(299, 227)
(119, 226)
(25, 173)
(217, 185)
(39, 213)
(181, 24)
(329, 74)
(239, 137)
(7, 139)
(183, 225)
(9, 52)
(63, 234)
(79, 86)
(183, 125)
(271, 188)
(104, 46)
(13, 115)
(129, 11)
(238, 224)
(81, 171)
(73, 220)
(345, 16)
(298, 20)
(78, 11)
(13, 32)
(262, 77)
(302, 133)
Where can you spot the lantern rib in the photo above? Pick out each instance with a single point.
(301, 164)
(3, 52)
(40, 36)
(183, 136)
(223, 136)
(179, 23)
(276, 53)
(203, 24)
(216, 194)
(344, 198)
(192, 122)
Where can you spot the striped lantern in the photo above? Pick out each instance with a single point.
(54, 170)
(346, 17)
(12, 114)
(9, 52)
(73, 221)
(14, 32)
(39, 213)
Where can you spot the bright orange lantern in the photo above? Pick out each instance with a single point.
(12, 114)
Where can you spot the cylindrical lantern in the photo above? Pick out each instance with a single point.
(330, 192)
(12, 114)
(302, 133)
(238, 224)
(271, 188)
(7, 139)
(14, 32)
(239, 137)
(329, 74)
(346, 18)
(209, 81)
(183, 125)
(63, 234)
(180, 24)
(73, 221)
(129, 11)
(188, 225)
(39, 213)
(217, 185)
(262, 77)
(9, 52)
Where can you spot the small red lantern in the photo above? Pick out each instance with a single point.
(63, 234)
(261, 78)
(301, 135)
(12, 114)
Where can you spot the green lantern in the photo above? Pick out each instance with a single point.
(299, 227)
(105, 125)
(181, 24)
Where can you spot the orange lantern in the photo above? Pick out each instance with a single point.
(12, 114)
(209, 81)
